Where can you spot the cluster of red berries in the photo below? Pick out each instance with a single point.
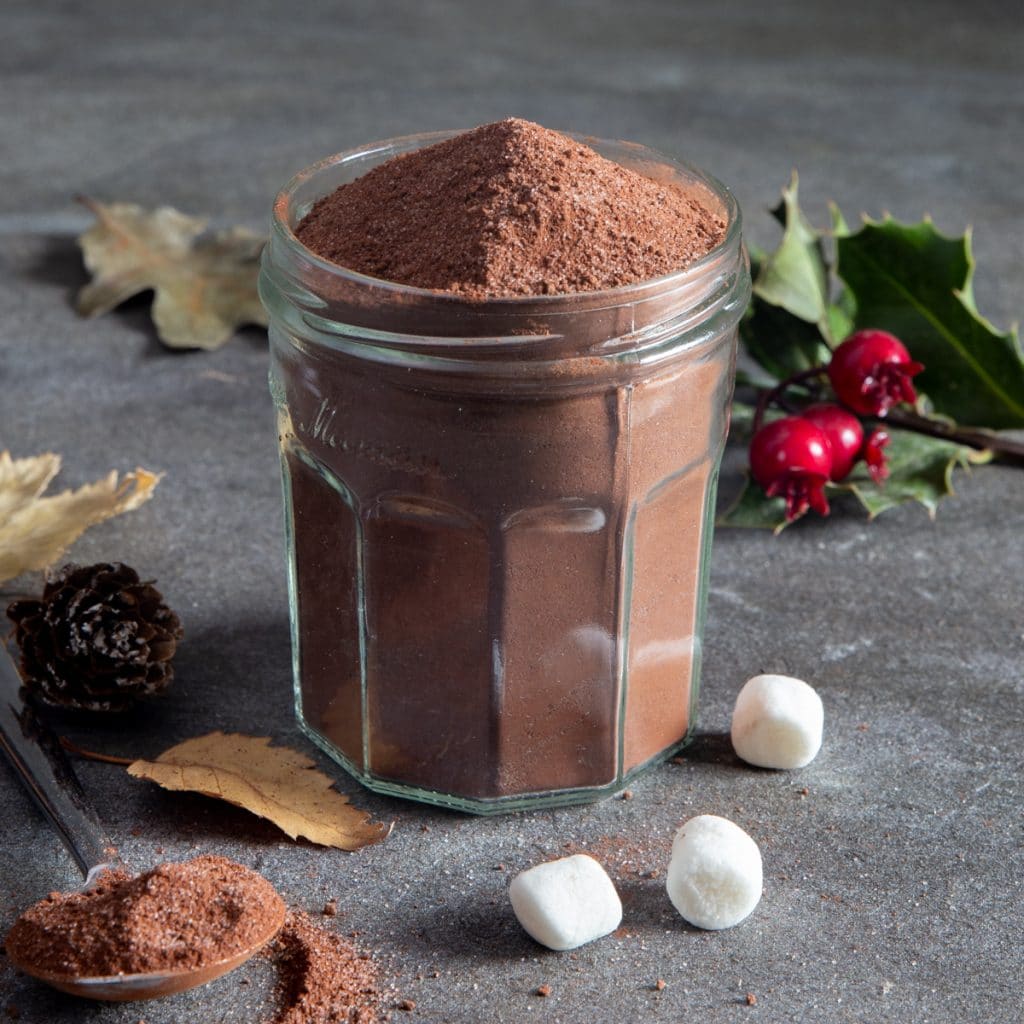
(793, 457)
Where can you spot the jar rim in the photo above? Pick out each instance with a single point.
(282, 225)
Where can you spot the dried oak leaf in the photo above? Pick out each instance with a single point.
(204, 287)
(276, 783)
(35, 528)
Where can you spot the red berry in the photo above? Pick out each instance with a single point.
(844, 432)
(871, 371)
(791, 458)
(874, 456)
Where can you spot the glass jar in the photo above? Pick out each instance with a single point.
(498, 513)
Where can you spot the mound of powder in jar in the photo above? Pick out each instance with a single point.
(510, 209)
(324, 978)
(176, 917)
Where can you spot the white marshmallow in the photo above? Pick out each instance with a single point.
(565, 903)
(777, 722)
(715, 875)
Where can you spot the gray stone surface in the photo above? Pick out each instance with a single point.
(893, 863)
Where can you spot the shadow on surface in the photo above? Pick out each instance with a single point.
(238, 675)
(646, 906)
(254, 999)
(711, 748)
(467, 925)
(208, 823)
(59, 264)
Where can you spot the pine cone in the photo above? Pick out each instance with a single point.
(98, 639)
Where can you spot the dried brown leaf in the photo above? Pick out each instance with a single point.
(276, 783)
(35, 528)
(205, 287)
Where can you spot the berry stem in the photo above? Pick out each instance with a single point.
(775, 394)
(1004, 448)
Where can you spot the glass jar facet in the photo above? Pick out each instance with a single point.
(498, 513)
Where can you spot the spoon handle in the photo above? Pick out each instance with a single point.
(44, 769)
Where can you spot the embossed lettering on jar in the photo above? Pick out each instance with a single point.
(498, 512)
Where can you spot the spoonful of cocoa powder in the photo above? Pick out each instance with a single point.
(123, 937)
(138, 937)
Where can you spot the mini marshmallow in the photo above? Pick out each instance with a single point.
(566, 903)
(714, 876)
(777, 722)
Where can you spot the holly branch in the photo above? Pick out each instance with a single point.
(813, 296)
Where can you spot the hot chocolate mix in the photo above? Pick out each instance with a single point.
(176, 917)
(508, 209)
(323, 978)
(497, 566)
(190, 915)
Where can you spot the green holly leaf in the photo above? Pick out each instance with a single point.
(755, 510)
(741, 422)
(753, 377)
(782, 343)
(920, 469)
(915, 282)
(842, 316)
(839, 226)
(758, 257)
(841, 313)
(795, 275)
(788, 320)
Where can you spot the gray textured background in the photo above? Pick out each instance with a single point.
(893, 887)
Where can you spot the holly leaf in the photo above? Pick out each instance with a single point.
(741, 419)
(842, 313)
(36, 528)
(205, 287)
(839, 226)
(841, 317)
(920, 469)
(275, 783)
(758, 257)
(753, 509)
(782, 343)
(917, 283)
(788, 321)
(795, 276)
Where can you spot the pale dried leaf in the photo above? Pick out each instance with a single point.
(24, 480)
(205, 287)
(35, 529)
(276, 783)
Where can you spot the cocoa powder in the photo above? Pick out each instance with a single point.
(323, 977)
(177, 917)
(514, 555)
(510, 209)
(185, 916)
(439, 591)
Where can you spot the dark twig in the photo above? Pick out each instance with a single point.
(775, 394)
(91, 755)
(1004, 448)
